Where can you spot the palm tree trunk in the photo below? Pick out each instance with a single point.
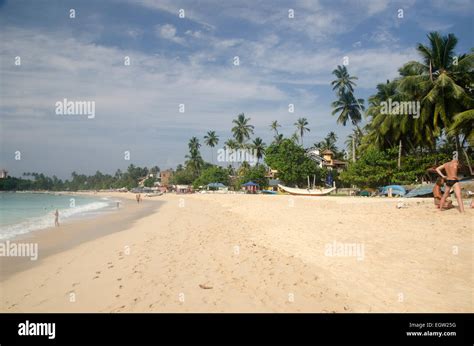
(399, 154)
(353, 150)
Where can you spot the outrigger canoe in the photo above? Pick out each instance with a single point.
(306, 192)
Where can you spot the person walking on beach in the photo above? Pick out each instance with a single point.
(451, 180)
(137, 196)
(56, 218)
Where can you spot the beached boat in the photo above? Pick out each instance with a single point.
(307, 192)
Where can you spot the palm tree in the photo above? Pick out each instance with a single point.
(194, 144)
(195, 161)
(294, 137)
(349, 108)
(463, 124)
(328, 143)
(211, 140)
(344, 82)
(274, 126)
(259, 148)
(353, 142)
(278, 139)
(439, 82)
(301, 127)
(242, 130)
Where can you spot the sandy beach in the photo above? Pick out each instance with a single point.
(257, 253)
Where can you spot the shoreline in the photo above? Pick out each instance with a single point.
(257, 253)
(74, 231)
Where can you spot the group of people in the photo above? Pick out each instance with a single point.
(450, 181)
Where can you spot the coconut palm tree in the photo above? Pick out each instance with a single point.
(259, 148)
(328, 143)
(295, 138)
(278, 139)
(349, 108)
(274, 126)
(211, 140)
(463, 123)
(195, 161)
(344, 82)
(242, 129)
(301, 124)
(439, 82)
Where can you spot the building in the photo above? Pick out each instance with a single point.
(331, 162)
(3, 174)
(165, 177)
(326, 159)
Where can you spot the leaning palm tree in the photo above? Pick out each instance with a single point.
(349, 108)
(344, 81)
(242, 129)
(274, 126)
(259, 148)
(301, 124)
(463, 123)
(211, 140)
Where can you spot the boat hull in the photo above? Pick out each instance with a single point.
(306, 192)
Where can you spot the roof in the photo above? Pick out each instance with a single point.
(216, 185)
(327, 152)
(250, 183)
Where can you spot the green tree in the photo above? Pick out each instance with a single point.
(291, 162)
(344, 82)
(301, 124)
(242, 129)
(211, 140)
(274, 126)
(259, 148)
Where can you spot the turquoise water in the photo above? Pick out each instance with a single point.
(21, 213)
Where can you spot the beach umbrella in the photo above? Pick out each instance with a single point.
(250, 183)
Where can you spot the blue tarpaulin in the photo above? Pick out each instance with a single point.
(250, 183)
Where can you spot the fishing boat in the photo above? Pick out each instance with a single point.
(307, 192)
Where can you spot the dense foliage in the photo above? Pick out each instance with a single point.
(291, 162)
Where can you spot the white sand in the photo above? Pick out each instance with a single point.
(226, 253)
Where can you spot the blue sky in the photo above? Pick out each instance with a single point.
(190, 61)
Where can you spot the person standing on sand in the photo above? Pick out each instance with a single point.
(137, 197)
(56, 218)
(451, 180)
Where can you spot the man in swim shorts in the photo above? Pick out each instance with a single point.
(451, 179)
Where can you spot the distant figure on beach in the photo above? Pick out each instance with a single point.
(451, 181)
(56, 218)
(118, 204)
(137, 196)
(437, 194)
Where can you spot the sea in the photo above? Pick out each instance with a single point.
(23, 213)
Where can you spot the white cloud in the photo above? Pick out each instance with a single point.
(168, 32)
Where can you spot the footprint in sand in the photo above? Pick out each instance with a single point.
(119, 279)
(95, 277)
(75, 284)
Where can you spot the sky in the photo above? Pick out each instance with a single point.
(184, 53)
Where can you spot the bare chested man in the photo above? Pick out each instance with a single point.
(451, 179)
